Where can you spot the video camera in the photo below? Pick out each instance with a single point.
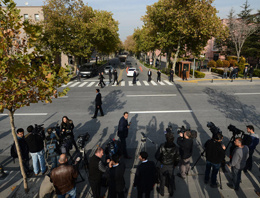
(214, 130)
(182, 129)
(112, 147)
(235, 130)
(81, 140)
(66, 144)
(36, 130)
(168, 129)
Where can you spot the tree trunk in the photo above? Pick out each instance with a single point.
(25, 184)
(154, 58)
(76, 60)
(176, 54)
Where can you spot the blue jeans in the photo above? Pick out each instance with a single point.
(224, 75)
(71, 193)
(236, 177)
(38, 156)
(215, 169)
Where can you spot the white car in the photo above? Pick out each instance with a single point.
(131, 70)
(107, 68)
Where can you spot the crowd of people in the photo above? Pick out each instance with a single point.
(111, 171)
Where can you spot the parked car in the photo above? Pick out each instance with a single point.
(131, 70)
(88, 70)
(107, 68)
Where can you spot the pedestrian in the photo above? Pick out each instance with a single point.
(230, 71)
(96, 170)
(145, 176)
(78, 74)
(254, 142)
(171, 75)
(24, 149)
(98, 104)
(149, 74)
(122, 133)
(102, 80)
(184, 75)
(110, 75)
(215, 154)
(64, 176)
(66, 128)
(134, 78)
(116, 178)
(234, 74)
(185, 143)
(168, 156)
(225, 72)
(238, 163)
(115, 77)
(245, 72)
(251, 71)
(35, 143)
(159, 75)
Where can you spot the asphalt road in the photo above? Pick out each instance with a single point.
(151, 109)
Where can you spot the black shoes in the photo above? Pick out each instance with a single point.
(230, 185)
(93, 117)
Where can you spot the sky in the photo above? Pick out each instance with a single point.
(129, 12)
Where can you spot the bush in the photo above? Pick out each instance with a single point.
(212, 64)
(225, 63)
(219, 63)
(256, 73)
(197, 74)
(233, 63)
(166, 71)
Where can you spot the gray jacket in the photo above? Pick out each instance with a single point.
(240, 155)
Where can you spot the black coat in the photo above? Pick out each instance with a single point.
(116, 178)
(98, 100)
(145, 176)
(122, 128)
(23, 148)
(34, 142)
(115, 74)
(214, 151)
(186, 146)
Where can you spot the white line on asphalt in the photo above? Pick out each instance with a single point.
(97, 84)
(153, 82)
(138, 83)
(161, 83)
(146, 83)
(165, 95)
(130, 83)
(83, 84)
(246, 93)
(25, 114)
(122, 83)
(170, 111)
(67, 84)
(74, 84)
(166, 81)
(90, 84)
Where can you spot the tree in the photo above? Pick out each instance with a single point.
(226, 63)
(219, 63)
(212, 63)
(240, 29)
(181, 26)
(130, 44)
(26, 75)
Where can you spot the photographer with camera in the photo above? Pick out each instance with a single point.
(254, 142)
(185, 143)
(64, 176)
(35, 143)
(215, 154)
(168, 155)
(67, 127)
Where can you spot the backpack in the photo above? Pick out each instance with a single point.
(13, 151)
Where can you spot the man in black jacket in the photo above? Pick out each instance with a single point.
(145, 176)
(35, 143)
(149, 74)
(215, 154)
(251, 71)
(96, 170)
(168, 155)
(98, 103)
(116, 178)
(115, 77)
(185, 143)
(171, 75)
(24, 150)
(122, 133)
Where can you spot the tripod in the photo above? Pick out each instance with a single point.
(143, 142)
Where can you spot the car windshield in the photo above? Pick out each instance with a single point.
(107, 67)
(85, 68)
(131, 69)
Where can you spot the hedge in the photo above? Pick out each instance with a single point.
(197, 74)
(256, 73)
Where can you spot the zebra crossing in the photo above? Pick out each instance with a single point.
(121, 84)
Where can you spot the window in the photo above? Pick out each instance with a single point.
(25, 17)
(36, 16)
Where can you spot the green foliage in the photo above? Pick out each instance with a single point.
(197, 74)
(219, 63)
(256, 73)
(166, 71)
(233, 62)
(218, 71)
(225, 63)
(212, 64)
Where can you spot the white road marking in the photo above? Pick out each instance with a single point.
(170, 111)
(26, 114)
(74, 84)
(246, 93)
(90, 84)
(83, 84)
(67, 84)
(167, 82)
(130, 83)
(154, 83)
(146, 83)
(160, 95)
(161, 83)
(138, 83)
(122, 83)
